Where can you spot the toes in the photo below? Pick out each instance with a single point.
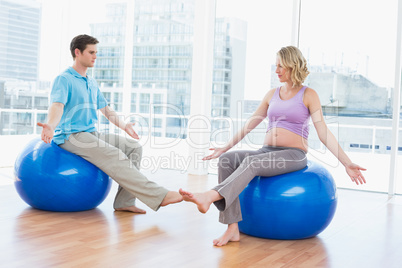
(219, 244)
(182, 192)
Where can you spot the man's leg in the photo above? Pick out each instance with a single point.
(133, 150)
(117, 165)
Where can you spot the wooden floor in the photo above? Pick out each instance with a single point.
(365, 232)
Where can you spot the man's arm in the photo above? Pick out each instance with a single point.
(113, 117)
(54, 117)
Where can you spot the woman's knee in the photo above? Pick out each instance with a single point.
(250, 163)
(226, 160)
(265, 165)
(248, 160)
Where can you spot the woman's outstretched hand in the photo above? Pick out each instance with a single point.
(217, 152)
(354, 171)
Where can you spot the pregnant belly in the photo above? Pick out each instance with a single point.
(284, 138)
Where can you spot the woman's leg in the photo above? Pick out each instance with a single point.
(225, 195)
(228, 163)
(275, 162)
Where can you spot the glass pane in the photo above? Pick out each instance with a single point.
(19, 42)
(145, 47)
(247, 37)
(398, 181)
(20, 93)
(16, 123)
(162, 60)
(346, 59)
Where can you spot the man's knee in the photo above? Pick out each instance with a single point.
(138, 149)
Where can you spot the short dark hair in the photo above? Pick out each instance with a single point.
(81, 42)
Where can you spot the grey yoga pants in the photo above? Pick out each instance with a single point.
(236, 169)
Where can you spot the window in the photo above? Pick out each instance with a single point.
(247, 38)
(157, 123)
(345, 61)
(133, 102)
(145, 98)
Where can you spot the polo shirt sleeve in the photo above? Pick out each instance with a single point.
(101, 101)
(59, 91)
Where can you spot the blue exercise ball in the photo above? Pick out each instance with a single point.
(295, 205)
(50, 178)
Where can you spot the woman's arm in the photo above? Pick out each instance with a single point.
(114, 118)
(328, 139)
(258, 116)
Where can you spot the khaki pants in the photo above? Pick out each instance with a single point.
(120, 158)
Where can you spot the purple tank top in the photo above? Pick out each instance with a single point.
(290, 114)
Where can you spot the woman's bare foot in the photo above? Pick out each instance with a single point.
(232, 234)
(133, 209)
(171, 198)
(202, 200)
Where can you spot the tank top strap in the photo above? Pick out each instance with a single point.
(300, 94)
(276, 95)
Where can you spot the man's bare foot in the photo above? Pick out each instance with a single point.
(202, 200)
(232, 234)
(133, 209)
(171, 198)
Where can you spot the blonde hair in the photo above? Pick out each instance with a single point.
(292, 59)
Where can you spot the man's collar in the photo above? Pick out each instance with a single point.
(75, 73)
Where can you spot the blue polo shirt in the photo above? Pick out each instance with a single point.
(81, 98)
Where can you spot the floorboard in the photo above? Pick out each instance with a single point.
(365, 232)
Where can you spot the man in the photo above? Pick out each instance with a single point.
(75, 99)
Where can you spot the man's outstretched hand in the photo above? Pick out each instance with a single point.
(47, 132)
(129, 129)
